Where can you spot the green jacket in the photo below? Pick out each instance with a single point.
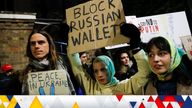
(134, 85)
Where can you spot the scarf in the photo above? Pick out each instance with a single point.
(110, 71)
(44, 66)
(175, 60)
(39, 65)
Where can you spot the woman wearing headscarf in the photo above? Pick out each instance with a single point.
(170, 75)
(104, 71)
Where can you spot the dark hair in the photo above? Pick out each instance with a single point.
(117, 58)
(118, 55)
(160, 42)
(180, 74)
(81, 53)
(101, 51)
(52, 56)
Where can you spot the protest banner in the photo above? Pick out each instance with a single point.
(53, 82)
(95, 24)
(173, 25)
(187, 44)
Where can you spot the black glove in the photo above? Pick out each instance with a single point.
(132, 32)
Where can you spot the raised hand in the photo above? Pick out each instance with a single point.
(132, 32)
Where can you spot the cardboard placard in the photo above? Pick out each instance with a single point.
(95, 24)
(173, 25)
(53, 82)
(187, 44)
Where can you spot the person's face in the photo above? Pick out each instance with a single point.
(39, 46)
(159, 60)
(83, 58)
(100, 72)
(124, 59)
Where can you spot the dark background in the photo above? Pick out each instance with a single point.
(53, 11)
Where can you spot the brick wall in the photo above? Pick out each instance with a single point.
(13, 39)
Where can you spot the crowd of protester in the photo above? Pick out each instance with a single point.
(158, 68)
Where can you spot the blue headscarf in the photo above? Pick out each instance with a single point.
(110, 71)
